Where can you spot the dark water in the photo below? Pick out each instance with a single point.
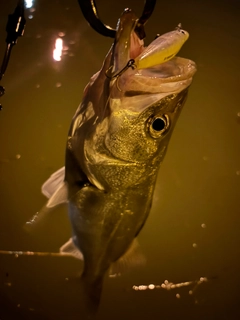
(193, 228)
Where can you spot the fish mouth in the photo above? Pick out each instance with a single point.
(176, 69)
(168, 77)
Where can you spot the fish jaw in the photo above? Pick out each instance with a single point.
(151, 85)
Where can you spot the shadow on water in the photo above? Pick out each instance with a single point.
(198, 183)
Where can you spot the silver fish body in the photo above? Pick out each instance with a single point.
(116, 143)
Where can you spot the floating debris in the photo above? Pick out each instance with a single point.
(8, 284)
(170, 285)
(17, 254)
(11, 158)
(61, 34)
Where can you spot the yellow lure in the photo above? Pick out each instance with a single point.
(162, 49)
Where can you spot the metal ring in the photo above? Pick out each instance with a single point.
(90, 13)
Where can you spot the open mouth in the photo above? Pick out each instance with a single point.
(155, 68)
(176, 69)
(169, 77)
(159, 65)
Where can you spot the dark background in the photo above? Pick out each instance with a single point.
(198, 183)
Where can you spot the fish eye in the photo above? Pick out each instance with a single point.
(158, 125)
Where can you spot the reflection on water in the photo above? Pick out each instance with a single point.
(29, 3)
(57, 52)
(197, 184)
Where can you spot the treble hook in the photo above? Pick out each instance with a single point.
(90, 13)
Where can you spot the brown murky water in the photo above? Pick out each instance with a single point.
(193, 228)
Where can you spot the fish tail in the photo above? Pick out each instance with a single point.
(91, 294)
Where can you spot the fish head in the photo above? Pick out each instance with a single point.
(134, 115)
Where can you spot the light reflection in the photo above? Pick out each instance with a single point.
(28, 3)
(61, 34)
(57, 52)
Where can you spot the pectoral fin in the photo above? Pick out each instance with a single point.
(60, 196)
(69, 248)
(55, 188)
(52, 184)
(133, 257)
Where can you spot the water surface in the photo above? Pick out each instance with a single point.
(193, 227)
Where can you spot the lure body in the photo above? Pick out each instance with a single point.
(162, 49)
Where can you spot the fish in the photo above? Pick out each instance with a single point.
(116, 143)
